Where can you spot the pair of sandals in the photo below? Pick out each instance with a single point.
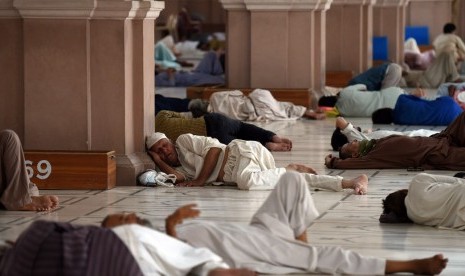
(152, 178)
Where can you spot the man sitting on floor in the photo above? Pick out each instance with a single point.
(434, 200)
(282, 222)
(197, 160)
(17, 192)
(218, 126)
(442, 151)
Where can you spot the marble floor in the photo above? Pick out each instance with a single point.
(346, 220)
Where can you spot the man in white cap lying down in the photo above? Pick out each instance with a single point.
(275, 241)
(197, 160)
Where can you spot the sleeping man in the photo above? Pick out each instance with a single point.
(275, 241)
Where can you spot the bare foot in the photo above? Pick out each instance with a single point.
(41, 203)
(300, 168)
(310, 114)
(278, 146)
(283, 140)
(341, 123)
(359, 184)
(431, 266)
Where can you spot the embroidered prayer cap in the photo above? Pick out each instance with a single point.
(155, 137)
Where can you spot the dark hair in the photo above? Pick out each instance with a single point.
(448, 28)
(394, 204)
(382, 116)
(338, 139)
(329, 101)
(344, 155)
(460, 175)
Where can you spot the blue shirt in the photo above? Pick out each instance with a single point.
(411, 110)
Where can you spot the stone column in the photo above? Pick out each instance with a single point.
(11, 69)
(431, 13)
(278, 43)
(389, 19)
(349, 28)
(88, 77)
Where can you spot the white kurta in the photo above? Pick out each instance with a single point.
(354, 134)
(258, 106)
(192, 150)
(159, 254)
(354, 101)
(268, 245)
(437, 200)
(233, 104)
(449, 43)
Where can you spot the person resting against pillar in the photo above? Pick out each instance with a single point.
(281, 221)
(208, 71)
(220, 127)
(345, 132)
(356, 101)
(442, 151)
(198, 160)
(60, 248)
(443, 69)
(412, 110)
(379, 77)
(17, 192)
(433, 200)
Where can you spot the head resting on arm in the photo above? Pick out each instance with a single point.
(159, 144)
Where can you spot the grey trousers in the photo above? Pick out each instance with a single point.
(15, 188)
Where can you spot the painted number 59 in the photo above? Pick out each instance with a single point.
(44, 169)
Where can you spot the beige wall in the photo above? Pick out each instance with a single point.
(11, 70)
(80, 82)
(431, 13)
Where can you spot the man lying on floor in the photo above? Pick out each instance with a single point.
(198, 160)
(345, 132)
(434, 200)
(282, 222)
(442, 151)
(58, 248)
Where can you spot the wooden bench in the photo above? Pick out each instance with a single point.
(71, 169)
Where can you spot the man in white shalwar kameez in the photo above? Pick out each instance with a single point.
(196, 160)
(433, 200)
(159, 254)
(260, 105)
(275, 241)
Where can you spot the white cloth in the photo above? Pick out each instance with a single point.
(449, 43)
(268, 245)
(260, 105)
(355, 101)
(268, 108)
(192, 150)
(437, 200)
(159, 254)
(155, 137)
(233, 104)
(354, 134)
(249, 165)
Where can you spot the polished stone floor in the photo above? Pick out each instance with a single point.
(346, 220)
